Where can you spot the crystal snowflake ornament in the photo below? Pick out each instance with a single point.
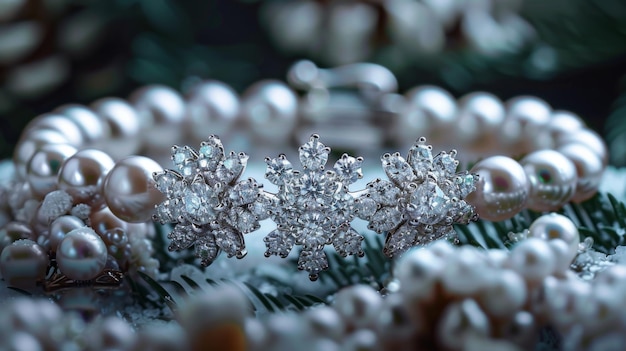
(211, 207)
(313, 207)
(420, 202)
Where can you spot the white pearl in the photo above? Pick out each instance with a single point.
(23, 263)
(12, 232)
(418, 271)
(532, 259)
(109, 333)
(502, 188)
(413, 28)
(60, 227)
(110, 227)
(123, 122)
(324, 321)
(460, 320)
(212, 108)
(358, 305)
(430, 111)
(556, 226)
(361, 340)
(563, 123)
(270, 108)
(562, 256)
(589, 139)
(589, 169)
(82, 176)
(504, 295)
(43, 168)
(604, 308)
(29, 144)
(552, 179)
(525, 117)
(90, 125)
(130, 191)
(59, 123)
(81, 254)
(161, 113)
(480, 115)
(464, 273)
(394, 322)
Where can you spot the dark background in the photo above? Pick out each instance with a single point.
(137, 42)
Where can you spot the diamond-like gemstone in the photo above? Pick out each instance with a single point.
(279, 170)
(278, 243)
(444, 165)
(348, 169)
(313, 185)
(386, 218)
(183, 236)
(400, 240)
(232, 167)
(397, 169)
(366, 206)
(313, 155)
(313, 262)
(243, 220)
(229, 241)
(180, 155)
(167, 211)
(348, 242)
(384, 192)
(206, 249)
(244, 192)
(199, 200)
(429, 204)
(420, 158)
(165, 181)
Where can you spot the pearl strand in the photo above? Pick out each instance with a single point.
(51, 154)
(446, 298)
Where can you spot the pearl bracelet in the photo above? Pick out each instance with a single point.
(61, 185)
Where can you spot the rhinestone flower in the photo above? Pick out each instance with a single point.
(211, 207)
(313, 207)
(420, 202)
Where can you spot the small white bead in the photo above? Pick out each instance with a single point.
(82, 176)
(123, 122)
(532, 259)
(324, 321)
(81, 254)
(212, 108)
(358, 305)
(418, 271)
(130, 191)
(43, 167)
(505, 294)
(556, 226)
(465, 273)
(23, 263)
(459, 321)
(552, 178)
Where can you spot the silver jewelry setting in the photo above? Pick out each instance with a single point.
(313, 208)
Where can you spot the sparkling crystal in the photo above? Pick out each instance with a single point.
(386, 218)
(428, 204)
(400, 240)
(229, 241)
(244, 192)
(211, 152)
(313, 155)
(314, 230)
(278, 243)
(261, 207)
(348, 242)
(313, 185)
(444, 165)
(383, 192)
(166, 180)
(167, 211)
(313, 262)
(366, 206)
(198, 201)
(181, 155)
(206, 249)
(243, 220)
(232, 167)
(342, 208)
(278, 170)
(348, 169)
(398, 170)
(182, 237)
(420, 158)
(466, 184)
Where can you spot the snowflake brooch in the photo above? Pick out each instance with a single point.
(211, 208)
(313, 207)
(422, 200)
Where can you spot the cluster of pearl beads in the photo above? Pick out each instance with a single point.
(442, 297)
(349, 31)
